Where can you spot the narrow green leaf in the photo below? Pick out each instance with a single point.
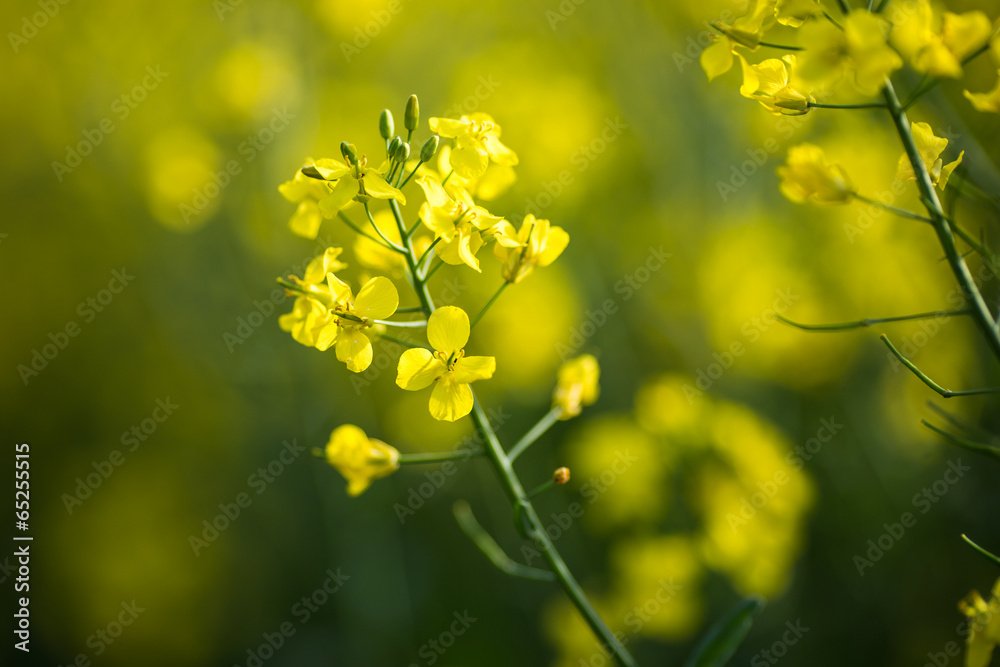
(718, 646)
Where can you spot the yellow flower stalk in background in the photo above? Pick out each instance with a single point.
(745, 31)
(984, 626)
(577, 385)
(446, 367)
(477, 141)
(937, 47)
(539, 243)
(808, 176)
(988, 102)
(930, 148)
(859, 48)
(305, 192)
(454, 218)
(311, 310)
(769, 84)
(358, 458)
(355, 182)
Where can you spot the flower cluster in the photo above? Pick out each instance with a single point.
(452, 226)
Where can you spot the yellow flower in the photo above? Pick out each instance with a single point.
(306, 192)
(358, 458)
(494, 182)
(538, 244)
(745, 31)
(577, 385)
(930, 148)
(939, 51)
(356, 182)
(350, 317)
(311, 313)
(986, 102)
(807, 176)
(794, 13)
(984, 630)
(477, 141)
(454, 218)
(447, 366)
(768, 83)
(860, 48)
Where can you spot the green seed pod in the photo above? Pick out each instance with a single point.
(429, 149)
(412, 116)
(385, 126)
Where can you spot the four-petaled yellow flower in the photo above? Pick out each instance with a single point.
(477, 141)
(939, 51)
(769, 84)
(358, 458)
(354, 182)
(807, 176)
(455, 219)
(311, 310)
(984, 627)
(577, 385)
(930, 148)
(859, 48)
(986, 102)
(538, 244)
(745, 31)
(305, 192)
(446, 367)
(350, 317)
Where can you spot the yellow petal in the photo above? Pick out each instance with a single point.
(448, 127)
(377, 300)
(323, 264)
(470, 369)
(717, 59)
(465, 245)
(327, 335)
(343, 193)
(327, 169)
(450, 401)
(555, 243)
(986, 102)
(947, 169)
(498, 152)
(964, 33)
(306, 220)
(354, 349)
(469, 161)
(448, 329)
(417, 369)
(375, 186)
(358, 458)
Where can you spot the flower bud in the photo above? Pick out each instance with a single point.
(402, 152)
(394, 145)
(412, 116)
(349, 152)
(385, 125)
(561, 475)
(429, 149)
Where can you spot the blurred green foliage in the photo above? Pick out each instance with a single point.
(172, 125)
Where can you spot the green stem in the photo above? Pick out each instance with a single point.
(945, 393)
(447, 177)
(349, 223)
(548, 484)
(420, 262)
(926, 85)
(537, 431)
(569, 584)
(413, 229)
(983, 552)
(411, 309)
(417, 324)
(857, 324)
(404, 343)
(844, 6)
(438, 457)
(419, 285)
(901, 212)
(781, 46)
(872, 105)
(832, 20)
(939, 221)
(467, 522)
(489, 303)
(378, 231)
(433, 270)
(400, 187)
(964, 443)
(989, 258)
